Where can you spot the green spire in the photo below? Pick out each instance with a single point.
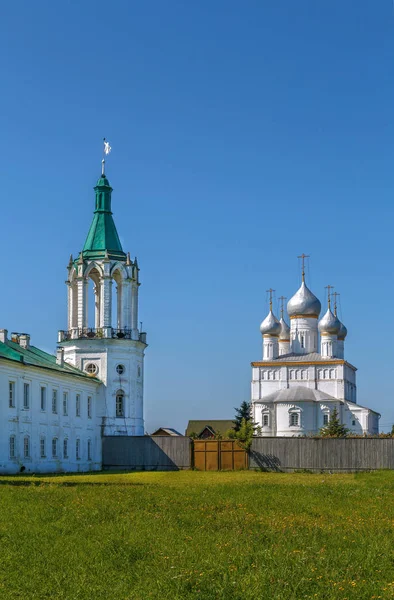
(102, 236)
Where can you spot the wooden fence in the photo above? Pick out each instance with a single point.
(219, 455)
(140, 453)
(333, 454)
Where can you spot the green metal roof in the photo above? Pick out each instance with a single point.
(102, 236)
(35, 357)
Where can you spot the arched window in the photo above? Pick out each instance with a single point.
(326, 419)
(294, 419)
(266, 420)
(120, 404)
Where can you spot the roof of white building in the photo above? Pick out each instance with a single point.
(299, 393)
(34, 357)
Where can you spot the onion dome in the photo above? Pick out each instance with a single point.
(329, 323)
(342, 333)
(284, 335)
(270, 325)
(303, 303)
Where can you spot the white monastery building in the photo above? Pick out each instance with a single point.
(303, 374)
(56, 409)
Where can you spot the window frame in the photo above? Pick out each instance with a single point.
(294, 416)
(43, 449)
(55, 408)
(43, 405)
(78, 405)
(26, 395)
(65, 448)
(55, 447)
(26, 447)
(120, 413)
(65, 404)
(120, 369)
(11, 394)
(12, 444)
(89, 449)
(89, 407)
(78, 449)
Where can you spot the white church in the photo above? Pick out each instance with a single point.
(303, 374)
(56, 409)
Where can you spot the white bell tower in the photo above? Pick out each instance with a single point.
(113, 349)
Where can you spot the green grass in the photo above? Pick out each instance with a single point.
(197, 535)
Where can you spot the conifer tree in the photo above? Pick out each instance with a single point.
(334, 428)
(243, 412)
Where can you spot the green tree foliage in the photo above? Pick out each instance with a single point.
(193, 435)
(243, 412)
(334, 428)
(245, 434)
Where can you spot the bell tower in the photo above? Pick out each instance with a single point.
(112, 348)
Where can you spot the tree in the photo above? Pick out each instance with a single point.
(245, 433)
(334, 428)
(243, 412)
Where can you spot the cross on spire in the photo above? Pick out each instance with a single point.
(282, 304)
(329, 288)
(303, 257)
(335, 294)
(270, 292)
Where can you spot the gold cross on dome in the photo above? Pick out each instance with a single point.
(270, 292)
(329, 288)
(282, 305)
(303, 257)
(335, 294)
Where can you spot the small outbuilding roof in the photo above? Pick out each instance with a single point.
(216, 426)
(166, 431)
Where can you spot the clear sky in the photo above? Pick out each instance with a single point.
(243, 134)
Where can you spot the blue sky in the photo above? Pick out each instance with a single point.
(243, 134)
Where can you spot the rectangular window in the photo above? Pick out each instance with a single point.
(11, 394)
(294, 420)
(54, 402)
(89, 449)
(42, 447)
(65, 404)
(43, 398)
(78, 405)
(54, 447)
(265, 420)
(26, 447)
(65, 448)
(89, 407)
(12, 446)
(353, 423)
(325, 419)
(78, 449)
(26, 395)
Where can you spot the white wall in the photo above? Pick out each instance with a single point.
(36, 423)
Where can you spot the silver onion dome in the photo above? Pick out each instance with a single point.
(284, 335)
(304, 303)
(329, 323)
(342, 333)
(270, 325)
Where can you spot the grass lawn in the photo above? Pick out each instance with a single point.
(189, 534)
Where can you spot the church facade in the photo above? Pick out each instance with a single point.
(58, 408)
(303, 374)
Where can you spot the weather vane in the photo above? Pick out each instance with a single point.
(106, 150)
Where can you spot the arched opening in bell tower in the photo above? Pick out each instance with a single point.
(93, 292)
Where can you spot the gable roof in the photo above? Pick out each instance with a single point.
(168, 430)
(34, 357)
(216, 425)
